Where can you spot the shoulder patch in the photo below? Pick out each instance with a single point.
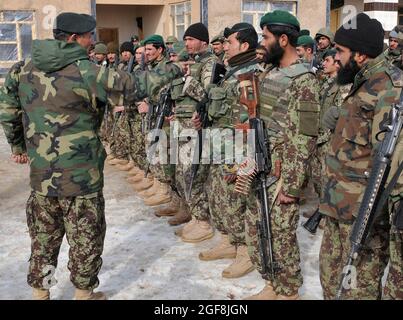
(396, 75)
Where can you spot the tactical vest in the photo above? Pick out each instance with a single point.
(274, 103)
(185, 106)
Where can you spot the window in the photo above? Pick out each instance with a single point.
(16, 34)
(254, 10)
(180, 18)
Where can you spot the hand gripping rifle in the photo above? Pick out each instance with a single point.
(261, 169)
(218, 73)
(375, 196)
(164, 109)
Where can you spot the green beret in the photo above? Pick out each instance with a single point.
(71, 22)
(154, 39)
(100, 48)
(171, 39)
(280, 18)
(304, 32)
(305, 41)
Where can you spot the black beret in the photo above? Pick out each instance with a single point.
(71, 22)
(238, 27)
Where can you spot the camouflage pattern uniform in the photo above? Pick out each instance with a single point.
(376, 87)
(51, 107)
(186, 94)
(332, 94)
(394, 57)
(289, 99)
(227, 207)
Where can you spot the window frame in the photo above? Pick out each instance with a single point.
(187, 16)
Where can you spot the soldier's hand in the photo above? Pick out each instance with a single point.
(20, 158)
(196, 121)
(330, 118)
(285, 199)
(118, 109)
(143, 107)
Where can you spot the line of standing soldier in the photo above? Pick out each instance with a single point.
(305, 124)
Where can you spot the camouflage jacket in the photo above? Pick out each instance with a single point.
(188, 92)
(52, 107)
(289, 99)
(353, 145)
(394, 57)
(225, 110)
(331, 94)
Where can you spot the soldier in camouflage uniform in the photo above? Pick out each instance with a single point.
(324, 41)
(51, 107)
(376, 86)
(331, 98)
(158, 185)
(187, 92)
(393, 54)
(227, 207)
(217, 44)
(289, 102)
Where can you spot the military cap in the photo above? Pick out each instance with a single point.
(71, 22)
(171, 39)
(280, 18)
(304, 32)
(305, 41)
(330, 53)
(135, 38)
(218, 38)
(238, 27)
(127, 46)
(112, 47)
(154, 39)
(100, 48)
(394, 34)
(325, 32)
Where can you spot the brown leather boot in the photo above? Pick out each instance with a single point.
(181, 217)
(266, 294)
(169, 209)
(40, 294)
(89, 295)
(241, 266)
(223, 250)
(201, 231)
(146, 183)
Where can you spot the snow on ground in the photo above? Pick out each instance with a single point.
(143, 259)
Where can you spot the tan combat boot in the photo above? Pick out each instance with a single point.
(266, 294)
(152, 191)
(145, 184)
(40, 294)
(186, 228)
(241, 266)
(161, 197)
(293, 297)
(223, 250)
(180, 217)
(201, 231)
(134, 171)
(89, 295)
(117, 161)
(169, 209)
(126, 167)
(137, 178)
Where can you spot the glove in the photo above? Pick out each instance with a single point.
(330, 118)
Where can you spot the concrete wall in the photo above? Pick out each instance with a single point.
(312, 14)
(124, 17)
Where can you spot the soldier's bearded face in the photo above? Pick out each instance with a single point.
(323, 43)
(194, 46)
(349, 67)
(271, 43)
(218, 47)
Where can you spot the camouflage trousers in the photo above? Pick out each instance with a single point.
(317, 167)
(394, 283)
(120, 140)
(227, 207)
(82, 219)
(106, 128)
(370, 265)
(137, 143)
(198, 201)
(284, 222)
